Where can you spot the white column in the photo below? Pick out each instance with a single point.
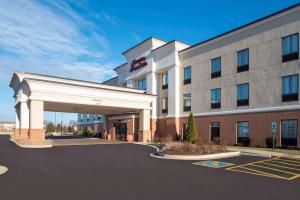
(152, 80)
(36, 114)
(130, 83)
(104, 119)
(17, 116)
(144, 124)
(173, 91)
(17, 128)
(151, 83)
(24, 115)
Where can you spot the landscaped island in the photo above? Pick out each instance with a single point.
(193, 146)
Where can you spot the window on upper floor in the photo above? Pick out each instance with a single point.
(164, 105)
(142, 84)
(290, 88)
(187, 102)
(243, 60)
(187, 75)
(165, 81)
(216, 67)
(290, 48)
(243, 94)
(216, 98)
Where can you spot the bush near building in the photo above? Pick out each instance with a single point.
(192, 133)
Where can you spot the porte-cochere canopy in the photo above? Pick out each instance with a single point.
(35, 93)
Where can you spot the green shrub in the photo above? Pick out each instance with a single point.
(192, 133)
(89, 131)
(246, 141)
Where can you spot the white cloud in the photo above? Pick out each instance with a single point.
(51, 38)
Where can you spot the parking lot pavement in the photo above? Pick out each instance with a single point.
(128, 172)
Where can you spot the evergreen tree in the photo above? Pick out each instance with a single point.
(192, 133)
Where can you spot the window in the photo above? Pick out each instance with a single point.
(290, 46)
(187, 102)
(289, 132)
(243, 60)
(242, 131)
(165, 81)
(187, 75)
(290, 88)
(216, 67)
(243, 94)
(165, 105)
(215, 131)
(142, 84)
(216, 98)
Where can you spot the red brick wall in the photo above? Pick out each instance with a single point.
(259, 130)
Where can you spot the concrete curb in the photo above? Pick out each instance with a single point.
(3, 169)
(31, 146)
(198, 157)
(147, 144)
(255, 152)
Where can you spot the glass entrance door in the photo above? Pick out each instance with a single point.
(121, 131)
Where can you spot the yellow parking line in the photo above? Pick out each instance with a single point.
(253, 162)
(293, 161)
(267, 163)
(256, 172)
(294, 177)
(278, 161)
(274, 169)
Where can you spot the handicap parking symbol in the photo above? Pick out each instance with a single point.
(213, 164)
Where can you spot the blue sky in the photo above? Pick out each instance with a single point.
(84, 39)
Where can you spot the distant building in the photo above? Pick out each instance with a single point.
(94, 121)
(7, 126)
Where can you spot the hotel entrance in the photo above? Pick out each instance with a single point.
(121, 131)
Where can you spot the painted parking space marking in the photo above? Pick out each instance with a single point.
(213, 164)
(281, 168)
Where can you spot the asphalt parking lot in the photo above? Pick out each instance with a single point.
(126, 171)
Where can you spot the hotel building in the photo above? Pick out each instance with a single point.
(235, 84)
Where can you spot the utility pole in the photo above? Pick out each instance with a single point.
(61, 124)
(55, 122)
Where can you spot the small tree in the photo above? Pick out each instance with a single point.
(50, 128)
(90, 131)
(192, 133)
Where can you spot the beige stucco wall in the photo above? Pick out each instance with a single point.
(265, 68)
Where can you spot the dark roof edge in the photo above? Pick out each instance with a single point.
(243, 26)
(151, 37)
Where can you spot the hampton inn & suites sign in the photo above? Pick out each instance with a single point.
(138, 64)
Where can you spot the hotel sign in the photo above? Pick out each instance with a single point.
(138, 64)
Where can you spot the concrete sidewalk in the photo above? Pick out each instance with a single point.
(262, 152)
(82, 141)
